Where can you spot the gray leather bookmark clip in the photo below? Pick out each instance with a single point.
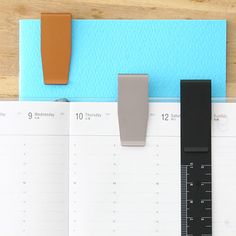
(133, 108)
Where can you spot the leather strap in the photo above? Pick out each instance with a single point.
(133, 108)
(56, 47)
(196, 182)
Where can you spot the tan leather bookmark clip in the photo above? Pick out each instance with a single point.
(56, 47)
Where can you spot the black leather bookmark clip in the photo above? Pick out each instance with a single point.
(196, 115)
(196, 157)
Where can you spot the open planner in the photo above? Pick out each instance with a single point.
(63, 171)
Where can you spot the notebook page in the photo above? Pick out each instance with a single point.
(123, 191)
(224, 169)
(34, 169)
(111, 186)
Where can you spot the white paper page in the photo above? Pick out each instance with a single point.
(34, 169)
(112, 188)
(224, 169)
(118, 190)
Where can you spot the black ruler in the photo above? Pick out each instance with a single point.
(196, 197)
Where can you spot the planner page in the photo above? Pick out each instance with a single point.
(224, 169)
(34, 151)
(117, 190)
(123, 191)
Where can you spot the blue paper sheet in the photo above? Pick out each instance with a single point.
(167, 50)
